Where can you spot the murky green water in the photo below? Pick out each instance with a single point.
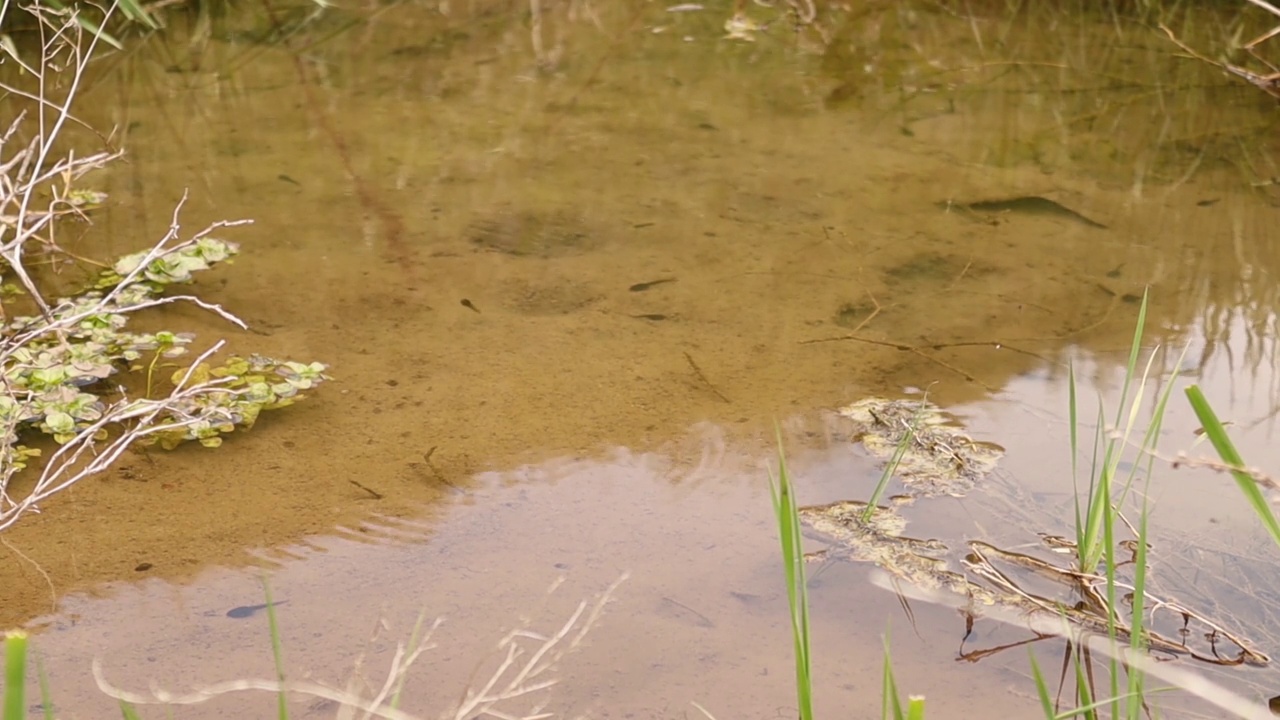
(524, 244)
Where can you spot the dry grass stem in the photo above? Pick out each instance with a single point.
(1053, 624)
(38, 187)
(519, 675)
(524, 676)
(85, 455)
(32, 167)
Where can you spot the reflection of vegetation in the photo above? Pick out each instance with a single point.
(87, 16)
(1097, 90)
(1073, 83)
(112, 22)
(71, 367)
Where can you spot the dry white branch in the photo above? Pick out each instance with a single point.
(69, 464)
(160, 697)
(348, 698)
(488, 700)
(30, 168)
(34, 173)
(1266, 6)
(523, 682)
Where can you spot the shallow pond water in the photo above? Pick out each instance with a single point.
(524, 243)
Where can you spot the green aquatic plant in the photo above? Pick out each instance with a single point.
(787, 515)
(1246, 479)
(64, 372)
(72, 367)
(67, 372)
(891, 467)
(891, 705)
(1098, 512)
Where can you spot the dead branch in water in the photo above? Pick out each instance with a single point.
(1268, 83)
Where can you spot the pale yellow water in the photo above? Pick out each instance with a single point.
(804, 195)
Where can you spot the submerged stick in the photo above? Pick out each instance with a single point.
(703, 377)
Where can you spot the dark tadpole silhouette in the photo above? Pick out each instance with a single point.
(245, 611)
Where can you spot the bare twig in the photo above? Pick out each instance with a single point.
(60, 36)
(140, 418)
(32, 173)
(518, 676)
(523, 681)
(1266, 6)
(1269, 84)
(703, 377)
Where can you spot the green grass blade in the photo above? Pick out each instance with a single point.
(1081, 525)
(1137, 630)
(1109, 554)
(128, 712)
(1098, 516)
(1091, 709)
(1042, 688)
(890, 707)
(1097, 501)
(15, 675)
(1084, 692)
(889, 470)
(1090, 545)
(788, 517)
(46, 696)
(886, 689)
(894, 461)
(1226, 450)
(88, 25)
(277, 652)
(133, 10)
(890, 702)
(1134, 349)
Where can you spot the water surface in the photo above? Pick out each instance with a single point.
(651, 227)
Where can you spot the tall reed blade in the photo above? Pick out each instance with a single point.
(277, 652)
(1091, 530)
(788, 517)
(891, 707)
(889, 470)
(15, 675)
(1217, 434)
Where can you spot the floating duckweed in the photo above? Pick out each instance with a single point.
(54, 378)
